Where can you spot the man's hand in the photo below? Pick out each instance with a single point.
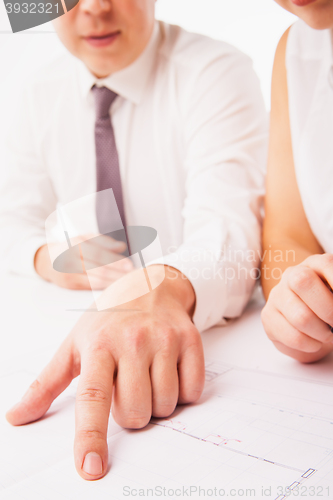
(100, 250)
(145, 356)
(299, 312)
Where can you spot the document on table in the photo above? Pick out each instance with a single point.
(253, 434)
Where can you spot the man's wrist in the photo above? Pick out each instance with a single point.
(39, 262)
(179, 286)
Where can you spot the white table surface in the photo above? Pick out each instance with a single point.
(37, 316)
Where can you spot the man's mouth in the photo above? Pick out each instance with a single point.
(102, 40)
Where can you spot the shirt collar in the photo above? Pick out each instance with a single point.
(129, 82)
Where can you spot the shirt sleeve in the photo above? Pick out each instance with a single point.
(226, 129)
(26, 193)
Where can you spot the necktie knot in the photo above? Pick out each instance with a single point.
(104, 97)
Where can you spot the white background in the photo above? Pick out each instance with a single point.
(253, 26)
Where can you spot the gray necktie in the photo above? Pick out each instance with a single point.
(107, 162)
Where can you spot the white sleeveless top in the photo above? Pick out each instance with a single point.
(309, 62)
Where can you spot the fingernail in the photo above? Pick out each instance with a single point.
(93, 464)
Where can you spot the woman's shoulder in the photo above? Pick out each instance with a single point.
(308, 59)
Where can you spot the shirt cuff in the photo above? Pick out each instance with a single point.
(207, 278)
(22, 260)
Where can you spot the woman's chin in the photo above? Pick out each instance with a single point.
(318, 17)
(317, 14)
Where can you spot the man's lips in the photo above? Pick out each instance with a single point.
(102, 40)
(302, 3)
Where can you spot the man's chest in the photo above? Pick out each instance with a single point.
(151, 158)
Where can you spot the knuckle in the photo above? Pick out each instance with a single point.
(82, 284)
(67, 280)
(36, 385)
(266, 321)
(287, 272)
(167, 341)
(92, 394)
(301, 278)
(73, 283)
(99, 345)
(163, 410)
(285, 280)
(328, 337)
(275, 293)
(191, 336)
(90, 434)
(301, 318)
(135, 339)
(135, 420)
(327, 259)
(264, 315)
(191, 396)
(42, 392)
(298, 342)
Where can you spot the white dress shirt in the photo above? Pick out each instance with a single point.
(309, 63)
(191, 134)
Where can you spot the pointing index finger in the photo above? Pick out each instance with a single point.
(93, 403)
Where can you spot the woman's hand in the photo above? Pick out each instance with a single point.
(299, 311)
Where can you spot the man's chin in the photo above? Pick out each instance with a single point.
(103, 69)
